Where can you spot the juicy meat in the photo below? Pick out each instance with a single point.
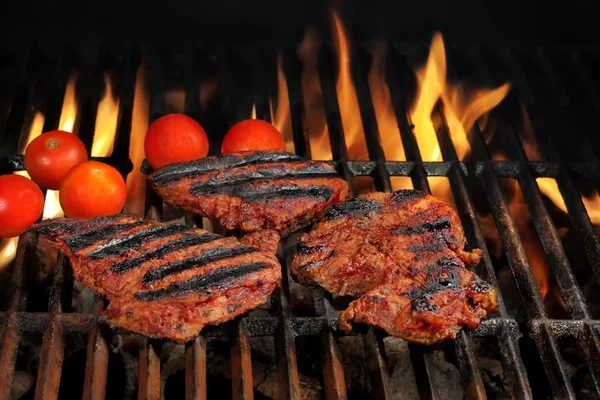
(381, 244)
(424, 310)
(253, 190)
(164, 280)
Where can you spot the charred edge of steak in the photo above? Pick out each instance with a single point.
(174, 172)
(442, 223)
(403, 195)
(208, 256)
(86, 239)
(167, 248)
(236, 182)
(219, 279)
(118, 246)
(355, 208)
(272, 192)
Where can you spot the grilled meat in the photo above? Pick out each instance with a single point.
(363, 241)
(424, 310)
(165, 280)
(254, 190)
(385, 245)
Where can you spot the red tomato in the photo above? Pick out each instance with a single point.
(51, 155)
(21, 204)
(174, 138)
(252, 134)
(92, 189)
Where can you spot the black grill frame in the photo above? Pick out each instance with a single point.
(43, 89)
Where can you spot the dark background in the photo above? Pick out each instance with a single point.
(477, 22)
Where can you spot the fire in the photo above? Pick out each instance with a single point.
(314, 120)
(281, 116)
(346, 93)
(69, 109)
(106, 122)
(136, 182)
(531, 243)
(384, 112)
(462, 107)
(253, 111)
(548, 186)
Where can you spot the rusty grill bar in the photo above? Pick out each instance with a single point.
(547, 102)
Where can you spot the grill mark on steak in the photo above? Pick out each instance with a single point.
(442, 223)
(219, 279)
(175, 172)
(87, 239)
(180, 244)
(235, 177)
(253, 194)
(118, 246)
(355, 208)
(208, 256)
(302, 249)
(404, 195)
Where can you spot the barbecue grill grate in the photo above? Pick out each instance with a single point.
(40, 85)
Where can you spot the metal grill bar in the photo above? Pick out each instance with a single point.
(59, 323)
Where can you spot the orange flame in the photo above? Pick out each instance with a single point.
(462, 107)
(68, 113)
(548, 186)
(106, 122)
(281, 116)
(136, 182)
(314, 120)
(384, 112)
(346, 93)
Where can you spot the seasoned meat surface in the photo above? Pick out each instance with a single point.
(165, 280)
(388, 242)
(425, 310)
(251, 191)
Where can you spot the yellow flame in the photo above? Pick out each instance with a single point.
(106, 122)
(346, 93)
(69, 108)
(314, 119)
(34, 131)
(253, 111)
(52, 208)
(136, 182)
(387, 124)
(8, 250)
(281, 117)
(462, 107)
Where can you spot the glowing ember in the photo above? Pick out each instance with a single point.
(69, 108)
(281, 116)
(106, 123)
(314, 121)
(346, 93)
(136, 181)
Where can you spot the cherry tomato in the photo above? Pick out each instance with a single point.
(51, 155)
(252, 134)
(21, 204)
(92, 189)
(174, 138)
